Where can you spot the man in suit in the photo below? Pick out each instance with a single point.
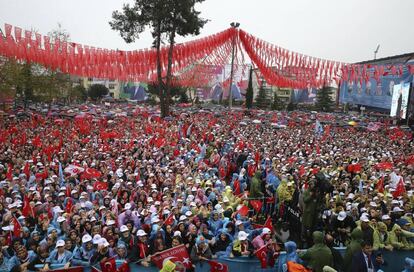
(366, 260)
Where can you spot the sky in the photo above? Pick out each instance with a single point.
(340, 30)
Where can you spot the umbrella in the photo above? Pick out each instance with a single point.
(352, 123)
(256, 121)
(243, 123)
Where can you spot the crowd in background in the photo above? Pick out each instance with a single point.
(78, 190)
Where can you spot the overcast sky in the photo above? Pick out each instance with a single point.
(342, 30)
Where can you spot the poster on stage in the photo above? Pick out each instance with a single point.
(399, 102)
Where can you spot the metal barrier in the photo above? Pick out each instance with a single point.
(394, 259)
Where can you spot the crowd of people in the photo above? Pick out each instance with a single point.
(83, 185)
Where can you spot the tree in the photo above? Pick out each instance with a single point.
(262, 100)
(277, 103)
(166, 18)
(78, 93)
(324, 100)
(59, 33)
(249, 91)
(97, 91)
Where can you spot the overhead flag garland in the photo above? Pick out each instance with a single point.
(194, 62)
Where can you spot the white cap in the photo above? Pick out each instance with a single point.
(242, 235)
(364, 218)
(61, 194)
(149, 199)
(128, 206)
(182, 218)
(60, 243)
(397, 209)
(188, 213)
(124, 228)
(265, 231)
(157, 203)
(141, 233)
(385, 217)
(110, 222)
(341, 216)
(103, 242)
(373, 204)
(60, 219)
(238, 222)
(86, 238)
(177, 233)
(96, 239)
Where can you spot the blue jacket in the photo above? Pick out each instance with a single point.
(15, 261)
(81, 256)
(53, 258)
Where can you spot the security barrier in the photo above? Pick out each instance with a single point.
(394, 259)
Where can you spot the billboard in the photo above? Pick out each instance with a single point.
(304, 96)
(399, 101)
(372, 93)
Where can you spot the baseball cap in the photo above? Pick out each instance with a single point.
(141, 233)
(242, 235)
(124, 228)
(60, 243)
(86, 238)
(385, 217)
(341, 216)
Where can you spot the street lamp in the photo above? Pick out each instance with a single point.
(235, 26)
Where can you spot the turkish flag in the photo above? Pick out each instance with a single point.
(17, 228)
(410, 160)
(218, 267)
(400, 189)
(177, 255)
(74, 170)
(244, 210)
(301, 170)
(169, 220)
(384, 165)
(69, 205)
(108, 265)
(100, 185)
(27, 210)
(68, 190)
(9, 174)
(236, 188)
(261, 254)
(380, 185)
(91, 173)
(257, 205)
(268, 223)
(26, 170)
(124, 267)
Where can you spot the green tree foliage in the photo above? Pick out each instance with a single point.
(262, 101)
(97, 91)
(78, 93)
(33, 82)
(277, 103)
(324, 100)
(166, 19)
(249, 91)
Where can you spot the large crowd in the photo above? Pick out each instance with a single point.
(81, 185)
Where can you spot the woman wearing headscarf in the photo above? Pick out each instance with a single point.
(200, 251)
(221, 246)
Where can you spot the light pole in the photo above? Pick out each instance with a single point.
(235, 26)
